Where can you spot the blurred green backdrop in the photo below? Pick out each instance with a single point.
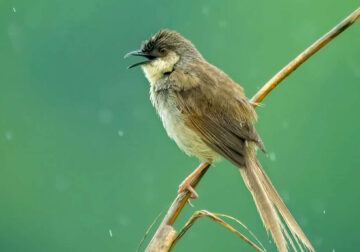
(85, 163)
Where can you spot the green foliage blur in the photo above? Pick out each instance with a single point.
(85, 164)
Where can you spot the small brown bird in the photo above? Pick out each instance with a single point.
(209, 116)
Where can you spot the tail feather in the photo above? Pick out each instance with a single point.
(267, 211)
(294, 228)
(270, 204)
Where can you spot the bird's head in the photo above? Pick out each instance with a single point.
(165, 51)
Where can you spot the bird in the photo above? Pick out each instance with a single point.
(209, 116)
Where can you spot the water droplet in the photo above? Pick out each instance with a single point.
(124, 221)
(14, 10)
(318, 241)
(285, 195)
(110, 233)
(8, 135)
(120, 133)
(272, 156)
(61, 183)
(222, 24)
(205, 10)
(324, 211)
(285, 124)
(105, 116)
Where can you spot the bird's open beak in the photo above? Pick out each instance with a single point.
(139, 53)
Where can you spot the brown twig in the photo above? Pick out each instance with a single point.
(166, 234)
(302, 57)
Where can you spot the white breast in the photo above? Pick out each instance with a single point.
(174, 124)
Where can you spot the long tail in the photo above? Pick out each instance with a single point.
(270, 204)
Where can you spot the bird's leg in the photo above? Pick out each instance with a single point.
(186, 184)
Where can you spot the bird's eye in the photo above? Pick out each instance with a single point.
(162, 51)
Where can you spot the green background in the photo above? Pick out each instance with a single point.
(82, 151)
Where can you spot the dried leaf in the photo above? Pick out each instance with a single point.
(215, 217)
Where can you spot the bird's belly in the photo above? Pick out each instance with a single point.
(187, 139)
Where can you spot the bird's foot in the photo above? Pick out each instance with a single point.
(185, 185)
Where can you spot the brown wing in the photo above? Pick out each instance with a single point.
(217, 109)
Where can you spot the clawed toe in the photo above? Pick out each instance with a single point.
(186, 186)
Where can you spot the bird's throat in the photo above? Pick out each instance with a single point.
(155, 69)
